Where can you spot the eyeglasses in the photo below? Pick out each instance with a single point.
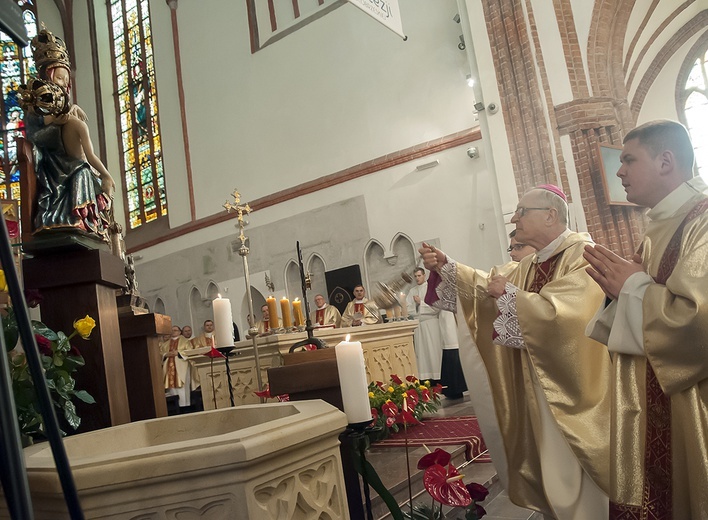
(516, 247)
(521, 211)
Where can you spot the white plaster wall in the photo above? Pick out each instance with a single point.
(553, 54)
(582, 15)
(658, 16)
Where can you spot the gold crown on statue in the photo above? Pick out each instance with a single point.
(49, 51)
(44, 98)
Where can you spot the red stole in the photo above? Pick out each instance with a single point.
(543, 273)
(657, 498)
(320, 316)
(171, 365)
(359, 307)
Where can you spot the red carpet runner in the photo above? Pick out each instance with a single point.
(444, 431)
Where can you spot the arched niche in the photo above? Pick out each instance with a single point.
(159, 306)
(199, 310)
(376, 268)
(316, 267)
(212, 291)
(258, 302)
(406, 256)
(293, 285)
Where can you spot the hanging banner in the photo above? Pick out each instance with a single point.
(384, 11)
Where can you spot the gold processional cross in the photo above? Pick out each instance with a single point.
(241, 210)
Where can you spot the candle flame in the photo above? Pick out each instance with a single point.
(296, 300)
(347, 338)
(218, 295)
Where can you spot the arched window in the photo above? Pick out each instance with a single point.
(693, 102)
(16, 67)
(136, 103)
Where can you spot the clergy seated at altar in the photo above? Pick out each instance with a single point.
(545, 419)
(360, 311)
(176, 370)
(264, 324)
(325, 315)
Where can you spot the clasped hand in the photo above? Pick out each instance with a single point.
(610, 270)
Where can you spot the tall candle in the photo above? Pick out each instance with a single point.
(352, 381)
(297, 313)
(404, 305)
(223, 322)
(285, 311)
(273, 311)
(397, 311)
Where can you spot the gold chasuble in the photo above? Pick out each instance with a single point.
(660, 413)
(555, 301)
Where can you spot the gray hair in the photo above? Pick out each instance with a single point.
(552, 200)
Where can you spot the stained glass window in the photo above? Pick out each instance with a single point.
(695, 110)
(140, 142)
(15, 68)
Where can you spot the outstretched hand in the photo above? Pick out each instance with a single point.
(610, 270)
(497, 286)
(433, 258)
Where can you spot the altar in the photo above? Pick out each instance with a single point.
(388, 349)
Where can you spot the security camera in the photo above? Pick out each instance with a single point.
(473, 152)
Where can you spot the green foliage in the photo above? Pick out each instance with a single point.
(382, 395)
(59, 362)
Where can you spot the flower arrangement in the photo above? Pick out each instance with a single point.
(444, 484)
(402, 402)
(59, 361)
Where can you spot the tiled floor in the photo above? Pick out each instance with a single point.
(390, 463)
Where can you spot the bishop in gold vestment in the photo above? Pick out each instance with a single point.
(549, 383)
(656, 329)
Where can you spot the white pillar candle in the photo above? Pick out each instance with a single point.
(223, 322)
(404, 305)
(352, 381)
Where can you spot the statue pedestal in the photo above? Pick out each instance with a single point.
(72, 286)
(143, 363)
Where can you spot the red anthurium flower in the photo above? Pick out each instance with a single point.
(479, 511)
(425, 393)
(213, 353)
(283, 397)
(446, 486)
(390, 421)
(405, 417)
(411, 379)
(381, 386)
(309, 346)
(374, 414)
(477, 491)
(439, 456)
(396, 379)
(437, 388)
(412, 399)
(389, 408)
(45, 346)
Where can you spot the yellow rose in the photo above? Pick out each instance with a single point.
(84, 326)
(3, 282)
(371, 394)
(390, 389)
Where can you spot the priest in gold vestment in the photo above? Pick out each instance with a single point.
(360, 310)
(549, 383)
(325, 314)
(656, 330)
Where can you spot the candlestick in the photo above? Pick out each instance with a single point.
(223, 322)
(297, 313)
(285, 311)
(352, 381)
(404, 305)
(397, 311)
(273, 312)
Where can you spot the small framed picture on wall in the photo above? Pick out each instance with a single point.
(609, 156)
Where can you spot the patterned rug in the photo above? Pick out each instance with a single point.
(444, 431)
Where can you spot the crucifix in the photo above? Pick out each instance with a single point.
(241, 211)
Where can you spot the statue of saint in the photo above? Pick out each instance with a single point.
(74, 188)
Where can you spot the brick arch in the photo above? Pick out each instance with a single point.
(668, 50)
